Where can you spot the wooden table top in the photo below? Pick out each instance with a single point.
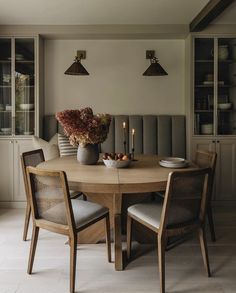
(143, 175)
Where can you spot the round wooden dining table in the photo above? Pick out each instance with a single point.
(143, 175)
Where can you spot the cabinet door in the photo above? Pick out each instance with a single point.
(24, 86)
(20, 146)
(226, 169)
(202, 144)
(5, 87)
(6, 170)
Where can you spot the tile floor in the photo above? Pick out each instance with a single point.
(184, 268)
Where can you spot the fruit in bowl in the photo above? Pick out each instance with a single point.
(116, 160)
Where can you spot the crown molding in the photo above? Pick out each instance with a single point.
(98, 31)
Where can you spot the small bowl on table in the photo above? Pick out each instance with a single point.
(117, 163)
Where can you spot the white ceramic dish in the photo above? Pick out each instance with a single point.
(28, 132)
(173, 160)
(174, 165)
(116, 164)
(6, 130)
(224, 106)
(26, 106)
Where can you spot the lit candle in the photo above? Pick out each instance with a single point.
(124, 137)
(132, 140)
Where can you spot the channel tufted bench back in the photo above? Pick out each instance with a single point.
(164, 135)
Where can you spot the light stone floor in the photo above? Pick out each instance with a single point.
(184, 267)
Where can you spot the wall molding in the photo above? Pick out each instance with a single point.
(89, 32)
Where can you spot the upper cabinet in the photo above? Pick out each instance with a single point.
(214, 86)
(18, 87)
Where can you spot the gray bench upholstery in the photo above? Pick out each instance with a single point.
(164, 135)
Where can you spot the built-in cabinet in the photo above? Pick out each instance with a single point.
(213, 108)
(225, 176)
(20, 107)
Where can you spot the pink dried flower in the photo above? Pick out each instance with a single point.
(83, 127)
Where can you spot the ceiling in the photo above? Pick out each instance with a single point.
(98, 12)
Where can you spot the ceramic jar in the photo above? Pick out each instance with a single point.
(223, 52)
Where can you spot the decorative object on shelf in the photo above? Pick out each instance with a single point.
(26, 106)
(225, 106)
(85, 129)
(207, 128)
(223, 52)
(77, 68)
(154, 69)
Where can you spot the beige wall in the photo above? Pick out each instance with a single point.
(115, 84)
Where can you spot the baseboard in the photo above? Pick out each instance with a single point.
(12, 204)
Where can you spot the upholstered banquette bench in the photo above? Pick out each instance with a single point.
(164, 135)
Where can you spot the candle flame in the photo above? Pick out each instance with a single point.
(123, 124)
(133, 131)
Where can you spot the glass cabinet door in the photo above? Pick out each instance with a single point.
(24, 86)
(5, 88)
(204, 86)
(226, 86)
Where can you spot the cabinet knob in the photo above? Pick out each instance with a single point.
(217, 141)
(11, 141)
(213, 141)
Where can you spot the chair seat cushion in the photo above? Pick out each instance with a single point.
(84, 212)
(150, 213)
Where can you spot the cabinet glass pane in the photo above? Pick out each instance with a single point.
(5, 87)
(24, 86)
(226, 97)
(204, 86)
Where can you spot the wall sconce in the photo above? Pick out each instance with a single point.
(154, 69)
(77, 68)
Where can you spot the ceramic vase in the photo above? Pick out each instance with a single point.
(88, 155)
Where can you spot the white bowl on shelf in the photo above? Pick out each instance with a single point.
(26, 106)
(116, 163)
(28, 132)
(224, 106)
(6, 130)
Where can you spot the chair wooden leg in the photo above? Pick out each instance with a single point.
(33, 245)
(161, 261)
(203, 244)
(73, 255)
(129, 236)
(108, 237)
(27, 219)
(211, 223)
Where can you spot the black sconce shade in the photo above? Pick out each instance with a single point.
(155, 68)
(76, 68)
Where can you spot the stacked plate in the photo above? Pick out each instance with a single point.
(173, 162)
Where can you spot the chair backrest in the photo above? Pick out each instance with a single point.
(32, 158)
(207, 159)
(49, 196)
(186, 198)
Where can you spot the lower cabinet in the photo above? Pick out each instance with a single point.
(11, 179)
(225, 176)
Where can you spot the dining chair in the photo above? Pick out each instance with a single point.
(207, 159)
(33, 158)
(182, 212)
(63, 215)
